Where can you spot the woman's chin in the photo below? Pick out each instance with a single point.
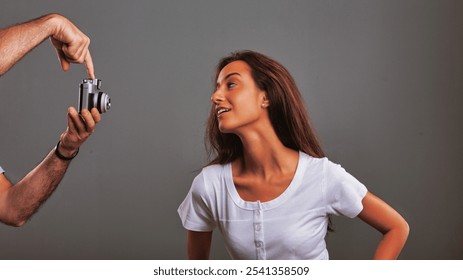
(225, 128)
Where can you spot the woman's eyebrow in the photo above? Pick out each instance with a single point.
(231, 74)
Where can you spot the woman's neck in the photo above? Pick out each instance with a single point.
(264, 155)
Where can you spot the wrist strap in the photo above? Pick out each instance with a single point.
(60, 156)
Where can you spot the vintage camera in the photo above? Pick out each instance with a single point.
(90, 96)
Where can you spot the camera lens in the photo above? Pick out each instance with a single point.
(102, 102)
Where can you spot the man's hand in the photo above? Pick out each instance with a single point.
(80, 127)
(19, 202)
(71, 44)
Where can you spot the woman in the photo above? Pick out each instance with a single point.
(269, 189)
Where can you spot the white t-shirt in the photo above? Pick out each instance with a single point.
(1, 170)
(291, 226)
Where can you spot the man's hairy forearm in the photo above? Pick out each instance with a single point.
(19, 202)
(24, 198)
(16, 41)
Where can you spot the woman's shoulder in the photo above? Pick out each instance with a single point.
(213, 170)
(211, 173)
(313, 162)
(322, 161)
(321, 166)
(209, 180)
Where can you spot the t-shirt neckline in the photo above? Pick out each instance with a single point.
(253, 205)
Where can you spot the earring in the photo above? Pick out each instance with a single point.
(263, 105)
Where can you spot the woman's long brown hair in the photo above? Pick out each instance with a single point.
(287, 112)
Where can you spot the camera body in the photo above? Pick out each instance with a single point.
(90, 96)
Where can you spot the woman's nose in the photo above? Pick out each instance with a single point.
(217, 97)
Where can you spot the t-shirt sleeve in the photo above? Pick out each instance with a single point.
(1, 170)
(195, 210)
(343, 192)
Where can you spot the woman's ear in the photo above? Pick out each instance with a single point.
(265, 102)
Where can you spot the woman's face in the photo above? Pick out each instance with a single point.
(239, 103)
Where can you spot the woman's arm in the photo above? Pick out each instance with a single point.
(199, 245)
(391, 224)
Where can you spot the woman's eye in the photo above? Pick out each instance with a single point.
(231, 84)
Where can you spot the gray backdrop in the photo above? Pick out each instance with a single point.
(382, 81)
